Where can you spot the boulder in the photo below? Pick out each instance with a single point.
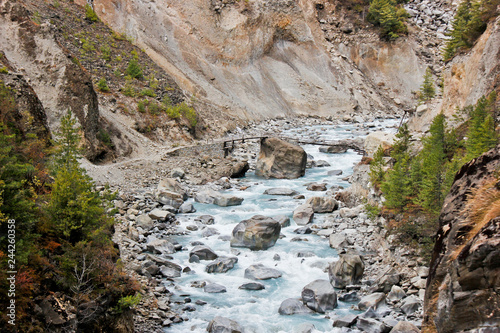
(376, 139)
(252, 286)
(319, 296)
(316, 187)
(345, 321)
(347, 270)
(387, 282)
(405, 327)
(338, 241)
(145, 222)
(170, 198)
(370, 325)
(371, 301)
(292, 306)
(172, 185)
(323, 204)
(171, 270)
(261, 272)
(396, 294)
(322, 164)
(281, 191)
(228, 200)
(337, 149)
(303, 214)
(217, 198)
(160, 246)
(334, 172)
(304, 328)
(257, 233)
(205, 219)
(177, 173)
(214, 288)
(187, 208)
(224, 325)
(206, 196)
(283, 220)
(208, 232)
(221, 265)
(162, 215)
(280, 159)
(410, 305)
(203, 252)
(239, 169)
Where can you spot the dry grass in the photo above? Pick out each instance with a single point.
(483, 205)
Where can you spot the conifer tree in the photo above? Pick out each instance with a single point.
(481, 135)
(377, 172)
(427, 90)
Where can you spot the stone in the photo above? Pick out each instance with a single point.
(410, 305)
(261, 272)
(303, 214)
(177, 173)
(319, 296)
(203, 252)
(322, 164)
(228, 200)
(214, 288)
(350, 297)
(170, 198)
(224, 325)
(348, 270)
(145, 222)
(292, 306)
(387, 282)
(217, 198)
(334, 172)
(371, 301)
(281, 191)
(316, 187)
(187, 208)
(283, 220)
(345, 321)
(405, 327)
(323, 204)
(208, 232)
(239, 169)
(338, 149)
(305, 328)
(206, 196)
(172, 185)
(376, 139)
(171, 270)
(303, 231)
(396, 294)
(160, 246)
(257, 233)
(252, 286)
(423, 271)
(221, 265)
(370, 325)
(162, 215)
(280, 159)
(205, 219)
(337, 241)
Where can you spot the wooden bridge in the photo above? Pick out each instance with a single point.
(230, 144)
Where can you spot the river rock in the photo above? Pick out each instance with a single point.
(335, 172)
(346, 271)
(387, 282)
(171, 270)
(319, 296)
(239, 169)
(205, 219)
(206, 196)
(316, 187)
(405, 327)
(283, 220)
(162, 215)
(371, 301)
(221, 265)
(257, 233)
(172, 185)
(292, 306)
(322, 164)
(203, 252)
(224, 325)
(208, 232)
(280, 159)
(281, 191)
(370, 325)
(228, 200)
(338, 241)
(304, 328)
(323, 204)
(345, 321)
(160, 246)
(145, 222)
(396, 294)
(187, 208)
(214, 288)
(303, 214)
(252, 286)
(261, 272)
(410, 305)
(170, 198)
(338, 149)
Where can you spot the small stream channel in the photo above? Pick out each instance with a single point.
(302, 258)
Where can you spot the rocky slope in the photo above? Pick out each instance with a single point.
(462, 288)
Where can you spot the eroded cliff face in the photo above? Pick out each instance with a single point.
(252, 59)
(59, 83)
(462, 288)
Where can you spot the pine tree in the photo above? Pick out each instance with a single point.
(134, 69)
(427, 90)
(433, 166)
(377, 172)
(481, 135)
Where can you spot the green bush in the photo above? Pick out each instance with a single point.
(141, 106)
(134, 69)
(90, 14)
(4, 70)
(106, 52)
(128, 302)
(389, 16)
(102, 85)
(147, 92)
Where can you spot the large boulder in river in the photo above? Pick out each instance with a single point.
(170, 198)
(203, 252)
(376, 139)
(280, 159)
(281, 191)
(257, 233)
(224, 325)
(239, 169)
(303, 214)
(217, 198)
(261, 272)
(323, 204)
(319, 296)
(172, 185)
(221, 265)
(346, 271)
(292, 306)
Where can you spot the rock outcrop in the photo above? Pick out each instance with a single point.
(280, 159)
(464, 277)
